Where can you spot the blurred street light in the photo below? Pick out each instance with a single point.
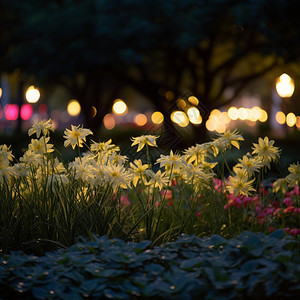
(285, 86)
(32, 94)
(73, 108)
(119, 107)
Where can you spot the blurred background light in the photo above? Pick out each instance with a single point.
(140, 119)
(32, 94)
(280, 117)
(11, 111)
(180, 118)
(194, 115)
(73, 108)
(119, 107)
(109, 121)
(26, 111)
(291, 119)
(285, 86)
(157, 117)
(233, 113)
(193, 100)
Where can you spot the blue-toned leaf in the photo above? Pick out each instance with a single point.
(140, 247)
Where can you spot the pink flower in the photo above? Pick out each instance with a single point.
(297, 210)
(296, 190)
(270, 229)
(218, 184)
(288, 201)
(199, 214)
(286, 230)
(269, 210)
(157, 204)
(294, 232)
(124, 200)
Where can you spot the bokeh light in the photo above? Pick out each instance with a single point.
(233, 113)
(169, 95)
(280, 117)
(43, 109)
(0, 92)
(93, 112)
(298, 122)
(242, 113)
(291, 119)
(181, 104)
(285, 86)
(194, 115)
(32, 94)
(263, 116)
(26, 111)
(193, 100)
(73, 108)
(119, 107)
(157, 117)
(180, 118)
(140, 119)
(11, 112)
(109, 121)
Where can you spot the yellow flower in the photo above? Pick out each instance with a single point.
(83, 168)
(240, 183)
(117, 177)
(31, 157)
(6, 153)
(158, 179)
(76, 136)
(265, 151)
(197, 153)
(228, 138)
(250, 164)
(280, 184)
(143, 140)
(41, 126)
(170, 161)
(104, 146)
(138, 171)
(294, 177)
(41, 146)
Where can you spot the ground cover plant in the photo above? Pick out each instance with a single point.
(46, 203)
(250, 266)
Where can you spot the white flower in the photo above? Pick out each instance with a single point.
(158, 179)
(143, 140)
(41, 126)
(76, 136)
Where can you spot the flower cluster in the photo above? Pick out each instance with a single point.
(187, 181)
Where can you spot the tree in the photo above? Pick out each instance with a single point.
(93, 47)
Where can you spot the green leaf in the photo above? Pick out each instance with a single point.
(140, 247)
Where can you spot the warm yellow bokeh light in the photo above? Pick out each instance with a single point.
(169, 95)
(93, 111)
(254, 113)
(157, 117)
(0, 92)
(280, 117)
(291, 119)
(193, 100)
(285, 86)
(180, 118)
(233, 113)
(194, 115)
(32, 94)
(140, 119)
(215, 112)
(211, 125)
(73, 108)
(242, 113)
(224, 118)
(263, 116)
(221, 127)
(298, 122)
(119, 107)
(109, 121)
(181, 104)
